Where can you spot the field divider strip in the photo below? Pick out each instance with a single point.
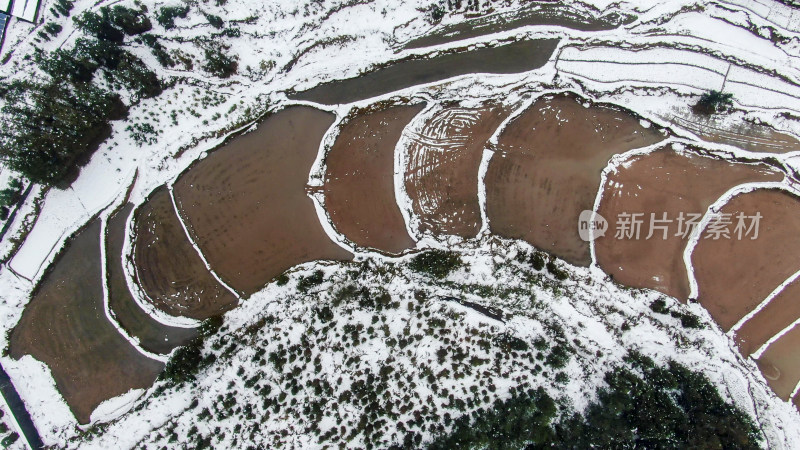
(107, 298)
(714, 208)
(758, 353)
(316, 178)
(611, 167)
(401, 159)
(196, 248)
(489, 151)
(764, 303)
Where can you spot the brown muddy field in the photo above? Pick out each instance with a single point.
(663, 181)
(246, 204)
(778, 314)
(780, 364)
(733, 275)
(153, 336)
(168, 268)
(547, 167)
(520, 56)
(65, 326)
(359, 180)
(441, 174)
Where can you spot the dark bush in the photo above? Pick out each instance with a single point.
(211, 325)
(688, 320)
(659, 306)
(220, 64)
(646, 406)
(51, 125)
(437, 263)
(435, 14)
(307, 282)
(713, 102)
(53, 28)
(184, 363)
(215, 21)
(66, 65)
(159, 51)
(556, 271)
(131, 21)
(100, 25)
(523, 420)
(538, 260)
(167, 14)
(10, 439)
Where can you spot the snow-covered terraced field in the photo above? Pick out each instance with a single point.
(246, 210)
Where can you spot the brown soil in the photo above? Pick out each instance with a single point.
(778, 314)
(246, 203)
(547, 170)
(169, 269)
(734, 276)
(65, 327)
(153, 336)
(780, 364)
(441, 177)
(359, 180)
(663, 181)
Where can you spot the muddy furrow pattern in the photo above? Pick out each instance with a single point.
(152, 335)
(359, 180)
(547, 169)
(65, 326)
(441, 173)
(247, 207)
(655, 184)
(735, 275)
(169, 269)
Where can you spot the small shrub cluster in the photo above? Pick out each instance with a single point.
(307, 282)
(556, 271)
(219, 63)
(186, 361)
(713, 102)
(688, 320)
(167, 14)
(436, 263)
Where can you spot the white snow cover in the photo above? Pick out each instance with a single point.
(654, 67)
(25, 9)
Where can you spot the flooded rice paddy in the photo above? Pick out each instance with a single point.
(663, 182)
(65, 327)
(442, 162)
(778, 314)
(247, 205)
(547, 167)
(517, 57)
(168, 268)
(359, 180)
(752, 267)
(780, 364)
(152, 335)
